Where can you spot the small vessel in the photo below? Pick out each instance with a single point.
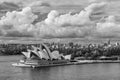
(42, 57)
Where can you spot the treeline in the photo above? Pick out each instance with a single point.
(91, 51)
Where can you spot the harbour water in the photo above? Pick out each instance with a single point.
(101, 71)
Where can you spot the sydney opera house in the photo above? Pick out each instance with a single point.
(41, 57)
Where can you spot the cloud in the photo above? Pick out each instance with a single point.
(20, 23)
(68, 25)
(39, 4)
(78, 19)
(109, 28)
(52, 31)
(8, 6)
(92, 1)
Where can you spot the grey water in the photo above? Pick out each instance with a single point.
(101, 71)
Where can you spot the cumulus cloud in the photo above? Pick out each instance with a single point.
(68, 25)
(109, 28)
(82, 18)
(20, 23)
(62, 32)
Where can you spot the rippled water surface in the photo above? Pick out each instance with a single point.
(108, 71)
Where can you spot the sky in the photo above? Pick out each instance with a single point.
(60, 18)
(53, 2)
(60, 2)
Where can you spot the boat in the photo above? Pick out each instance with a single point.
(42, 57)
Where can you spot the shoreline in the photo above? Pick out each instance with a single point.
(15, 58)
(95, 61)
(69, 63)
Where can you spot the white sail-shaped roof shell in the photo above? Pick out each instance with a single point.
(67, 57)
(36, 52)
(55, 55)
(44, 52)
(43, 55)
(26, 54)
(29, 53)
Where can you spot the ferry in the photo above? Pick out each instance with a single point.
(42, 57)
